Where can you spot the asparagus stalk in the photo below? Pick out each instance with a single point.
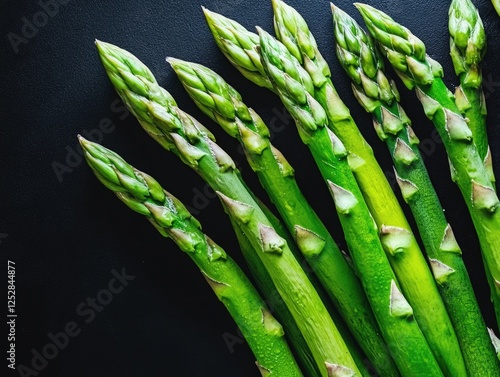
(306, 361)
(412, 271)
(401, 332)
(298, 344)
(195, 146)
(359, 57)
(277, 177)
(468, 46)
(143, 194)
(277, 307)
(407, 55)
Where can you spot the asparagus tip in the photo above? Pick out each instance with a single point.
(361, 7)
(209, 15)
(175, 63)
(170, 60)
(83, 142)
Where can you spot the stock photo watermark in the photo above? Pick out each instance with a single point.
(86, 312)
(31, 25)
(74, 153)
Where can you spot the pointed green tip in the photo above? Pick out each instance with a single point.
(212, 17)
(174, 62)
(367, 11)
(276, 5)
(84, 142)
(207, 12)
(339, 15)
(360, 6)
(376, 16)
(105, 47)
(101, 47)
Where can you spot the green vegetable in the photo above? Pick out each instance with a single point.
(362, 62)
(277, 177)
(401, 332)
(468, 46)
(195, 146)
(410, 267)
(277, 306)
(407, 55)
(143, 194)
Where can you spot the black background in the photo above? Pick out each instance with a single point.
(66, 234)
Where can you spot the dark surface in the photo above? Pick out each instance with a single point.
(66, 234)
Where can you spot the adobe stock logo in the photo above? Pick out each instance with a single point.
(31, 25)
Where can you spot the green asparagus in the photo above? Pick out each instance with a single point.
(195, 146)
(401, 332)
(277, 306)
(361, 60)
(305, 359)
(143, 194)
(277, 177)
(418, 283)
(467, 49)
(407, 55)
(468, 46)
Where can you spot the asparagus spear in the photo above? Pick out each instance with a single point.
(195, 146)
(298, 344)
(359, 57)
(277, 177)
(418, 283)
(277, 305)
(143, 194)
(406, 53)
(468, 46)
(401, 332)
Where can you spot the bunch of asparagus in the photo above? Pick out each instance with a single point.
(410, 312)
